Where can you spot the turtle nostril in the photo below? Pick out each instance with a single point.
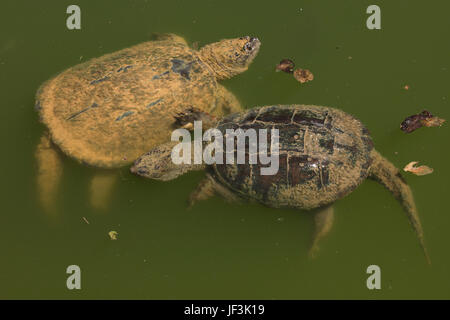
(142, 171)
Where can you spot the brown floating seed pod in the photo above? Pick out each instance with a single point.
(303, 75)
(416, 121)
(286, 65)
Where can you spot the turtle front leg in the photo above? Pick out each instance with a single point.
(323, 220)
(226, 102)
(207, 188)
(101, 188)
(49, 173)
(186, 118)
(204, 190)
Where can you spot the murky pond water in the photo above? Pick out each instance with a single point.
(218, 249)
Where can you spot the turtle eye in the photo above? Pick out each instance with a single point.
(248, 46)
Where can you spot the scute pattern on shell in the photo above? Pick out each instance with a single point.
(324, 155)
(109, 110)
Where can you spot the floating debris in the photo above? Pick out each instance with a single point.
(303, 75)
(418, 171)
(286, 65)
(85, 220)
(416, 121)
(113, 235)
(433, 122)
(406, 87)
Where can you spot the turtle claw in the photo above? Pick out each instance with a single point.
(188, 126)
(313, 252)
(186, 118)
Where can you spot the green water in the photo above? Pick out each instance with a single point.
(221, 250)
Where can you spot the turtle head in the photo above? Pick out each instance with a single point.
(157, 164)
(230, 57)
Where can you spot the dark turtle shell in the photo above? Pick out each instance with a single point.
(324, 154)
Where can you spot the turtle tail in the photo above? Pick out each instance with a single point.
(389, 176)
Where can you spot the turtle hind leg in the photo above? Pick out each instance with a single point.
(207, 188)
(101, 188)
(389, 176)
(323, 221)
(49, 173)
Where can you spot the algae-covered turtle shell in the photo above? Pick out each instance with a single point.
(108, 111)
(324, 154)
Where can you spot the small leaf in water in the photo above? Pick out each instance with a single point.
(418, 171)
(113, 235)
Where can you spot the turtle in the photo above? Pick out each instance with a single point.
(323, 155)
(108, 111)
